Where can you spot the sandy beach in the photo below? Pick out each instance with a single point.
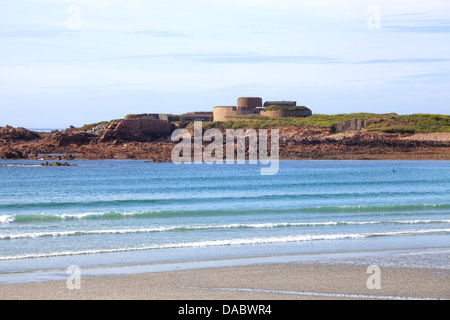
(255, 282)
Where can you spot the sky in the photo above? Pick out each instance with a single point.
(76, 62)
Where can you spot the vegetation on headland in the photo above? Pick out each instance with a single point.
(301, 138)
(389, 123)
(285, 108)
(88, 127)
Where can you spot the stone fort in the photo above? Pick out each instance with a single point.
(161, 124)
(253, 106)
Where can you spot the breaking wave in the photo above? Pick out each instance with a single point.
(230, 242)
(210, 227)
(114, 215)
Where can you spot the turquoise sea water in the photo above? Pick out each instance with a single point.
(128, 212)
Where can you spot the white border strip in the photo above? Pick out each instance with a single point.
(318, 294)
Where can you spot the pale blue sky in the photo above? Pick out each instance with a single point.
(176, 56)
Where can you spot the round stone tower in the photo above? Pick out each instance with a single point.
(246, 103)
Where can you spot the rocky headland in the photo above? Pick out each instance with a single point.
(116, 142)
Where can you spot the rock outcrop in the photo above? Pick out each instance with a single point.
(70, 136)
(118, 131)
(123, 142)
(10, 133)
(140, 130)
(57, 164)
(13, 153)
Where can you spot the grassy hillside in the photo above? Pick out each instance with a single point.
(391, 123)
(87, 127)
(285, 108)
(377, 122)
(413, 123)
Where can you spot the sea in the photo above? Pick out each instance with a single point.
(130, 216)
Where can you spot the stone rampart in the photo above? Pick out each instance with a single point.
(196, 116)
(230, 113)
(286, 113)
(148, 127)
(155, 116)
(280, 103)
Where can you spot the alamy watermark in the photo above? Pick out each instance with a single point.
(374, 281)
(73, 22)
(74, 280)
(236, 150)
(373, 22)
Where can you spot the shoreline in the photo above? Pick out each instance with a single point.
(40, 162)
(296, 143)
(314, 276)
(255, 282)
(441, 154)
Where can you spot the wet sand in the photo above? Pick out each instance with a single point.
(254, 282)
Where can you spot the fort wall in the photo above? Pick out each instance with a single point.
(159, 123)
(280, 103)
(196, 116)
(286, 113)
(155, 116)
(149, 127)
(223, 112)
(230, 113)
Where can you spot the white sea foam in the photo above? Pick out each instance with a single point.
(20, 165)
(79, 233)
(201, 227)
(6, 219)
(230, 242)
(70, 216)
(81, 215)
(317, 294)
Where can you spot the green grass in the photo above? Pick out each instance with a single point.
(263, 122)
(285, 108)
(88, 127)
(327, 120)
(414, 123)
(427, 122)
(391, 123)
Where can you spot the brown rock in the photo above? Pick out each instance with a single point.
(56, 164)
(11, 153)
(68, 137)
(119, 132)
(10, 133)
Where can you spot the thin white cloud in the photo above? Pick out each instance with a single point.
(222, 46)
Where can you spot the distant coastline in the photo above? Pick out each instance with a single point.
(45, 129)
(358, 136)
